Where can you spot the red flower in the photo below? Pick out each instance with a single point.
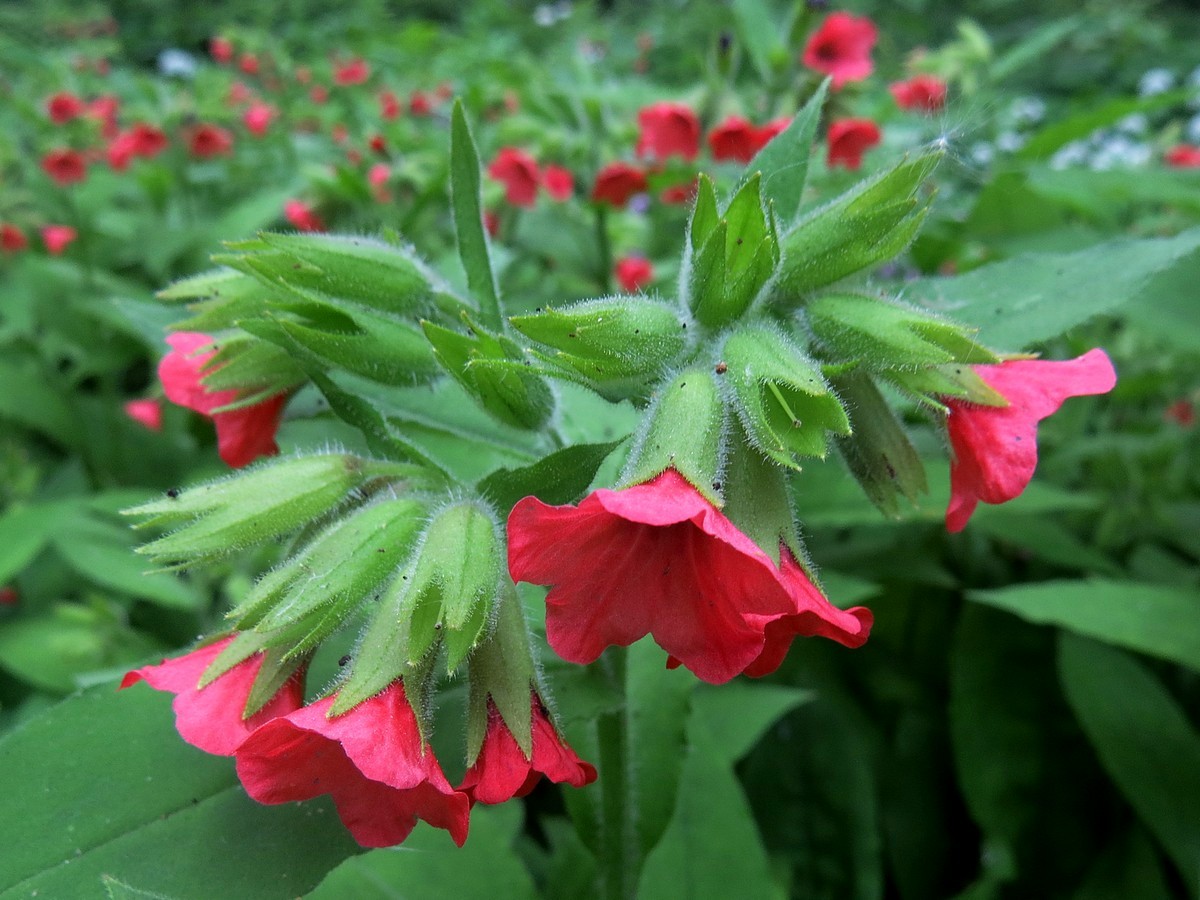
(371, 760)
(57, 238)
(303, 216)
(502, 771)
(767, 132)
(378, 144)
(147, 413)
(995, 447)
(849, 139)
(679, 193)
(206, 140)
(211, 717)
(65, 166)
(243, 434)
(221, 49)
(419, 104)
(63, 107)
(258, 117)
(148, 141)
(9, 596)
(389, 105)
(657, 559)
(378, 176)
(1183, 156)
(12, 238)
(926, 93)
(318, 94)
(559, 182)
(617, 182)
(248, 63)
(491, 222)
(356, 71)
(841, 48)
(518, 172)
(633, 273)
(1181, 412)
(735, 139)
(668, 129)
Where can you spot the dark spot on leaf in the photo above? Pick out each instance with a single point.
(345, 659)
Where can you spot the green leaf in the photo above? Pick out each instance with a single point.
(1144, 741)
(108, 788)
(24, 532)
(1037, 296)
(466, 205)
(558, 478)
(1062, 131)
(27, 399)
(1159, 620)
(784, 161)
(760, 36)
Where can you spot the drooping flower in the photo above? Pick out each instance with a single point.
(657, 558)
(841, 48)
(243, 434)
(518, 172)
(633, 273)
(57, 238)
(63, 107)
(206, 140)
(258, 118)
(147, 413)
(1183, 156)
(12, 238)
(734, 138)
(617, 182)
(140, 140)
(849, 139)
(995, 447)
(302, 216)
(926, 93)
(356, 71)
(668, 129)
(371, 760)
(65, 166)
(559, 182)
(211, 717)
(502, 771)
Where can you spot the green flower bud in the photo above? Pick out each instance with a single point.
(782, 399)
(618, 346)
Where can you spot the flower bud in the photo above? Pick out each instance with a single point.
(619, 346)
(783, 401)
(870, 223)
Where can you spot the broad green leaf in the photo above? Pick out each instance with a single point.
(1037, 296)
(760, 36)
(561, 477)
(466, 204)
(1046, 538)
(784, 161)
(1062, 131)
(1156, 619)
(1043, 39)
(106, 787)
(24, 532)
(27, 399)
(119, 890)
(1174, 314)
(1144, 741)
(1128, 867)
(430, 867)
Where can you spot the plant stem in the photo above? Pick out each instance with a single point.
(619, 863)
(604, 246)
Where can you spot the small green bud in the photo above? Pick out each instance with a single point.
(783, 400)
(492, 369)
(878, 453)
(870, 223)
(885, 335)
(683, 430)
(619, 346)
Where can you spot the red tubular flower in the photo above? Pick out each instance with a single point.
(841, 48)
(419, 103)
(211, 717)
(147, 413)
(371, 760)
(518, 172)
(656, 559)
(668, 129)
(679, 193)
(735, 139)
(502, 770)
(633, 273)
(356, 71)
(221, 49)
(995, 447)
(243, 434)
(302, 216)
(206, 140)
(1183, 156)
(389, 105)
(849, 139)
(63, 107)
(559, 182)
(617, 182)
(65, 166)
(258, 118)
(12, 238)
(926, 93)
(57, 238)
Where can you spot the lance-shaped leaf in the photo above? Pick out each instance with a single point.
(619, 346)
(467, 206)
(782, 399)
(783, 163)
(885, 335)
(510, 394)
(870, 223)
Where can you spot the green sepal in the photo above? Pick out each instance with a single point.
(502, 668)
(342, 565)
(886, 335)
(514, 397)
(870, 223)
(704, 212)
(683, 430)
(878, 453)
(278, 665)
(955, 380)
(219, 299)
(243, 646)
(255, 505)
(620, 345)
(782, 399)
(757, 500)
(256, 370)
